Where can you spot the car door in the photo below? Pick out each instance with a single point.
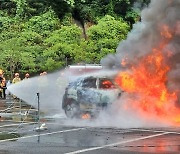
(88, 94)
(109, 91)
(73, 88)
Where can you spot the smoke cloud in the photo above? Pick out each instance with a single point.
(51, 88)
(160, 16)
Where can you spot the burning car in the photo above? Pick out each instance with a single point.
(88, 95)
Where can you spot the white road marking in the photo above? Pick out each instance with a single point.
(18, 124)
(155, 131)
(117, 143)
(62, 131)
(161, 132)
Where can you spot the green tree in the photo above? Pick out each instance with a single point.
(38, 35)
(62, 44)
(11, 55)
(21, 52)
(20, 8)
(43, 24)
(107, 34)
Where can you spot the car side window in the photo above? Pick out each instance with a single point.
(75, 84)
(106, 84)
(89, 83)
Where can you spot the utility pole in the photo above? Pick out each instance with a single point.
(38, 98)
(66, 62)
(20, 104)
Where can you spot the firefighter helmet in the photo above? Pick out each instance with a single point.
(1, 71)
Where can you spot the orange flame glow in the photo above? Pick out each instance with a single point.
(124, 62)
(86, 116)
(148, 81)
(166, 32)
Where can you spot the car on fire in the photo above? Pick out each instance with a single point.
(89, 95)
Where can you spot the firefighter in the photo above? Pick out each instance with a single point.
(16, 80)
(26, 76)
(1, 78)
(43, 81)
(2, 85)
(62, 81)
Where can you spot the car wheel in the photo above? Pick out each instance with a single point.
(72, 110)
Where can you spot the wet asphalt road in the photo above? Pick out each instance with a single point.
(66, 139)
(63, 137)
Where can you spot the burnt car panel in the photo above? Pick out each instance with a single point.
(89, 95)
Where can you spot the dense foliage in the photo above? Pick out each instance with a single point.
(38, 35)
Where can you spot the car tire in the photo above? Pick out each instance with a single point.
(72, 110)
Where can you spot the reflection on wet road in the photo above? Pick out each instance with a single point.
(75, 136)
(62, 138)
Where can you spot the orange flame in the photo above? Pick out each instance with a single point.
(166, 32)
(148, 81)
(86, 116)
(124, 62)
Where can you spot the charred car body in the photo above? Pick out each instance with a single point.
(89, 94)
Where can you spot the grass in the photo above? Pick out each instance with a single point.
(5, 136)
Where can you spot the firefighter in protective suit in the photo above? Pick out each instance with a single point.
(2, 85)
(16, 80)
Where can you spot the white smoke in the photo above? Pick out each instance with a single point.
(50, 87)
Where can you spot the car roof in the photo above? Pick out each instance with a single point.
(101, 74)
